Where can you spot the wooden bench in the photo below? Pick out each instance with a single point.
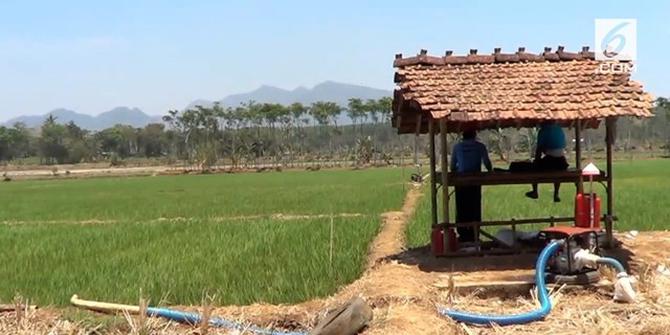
(511, 178)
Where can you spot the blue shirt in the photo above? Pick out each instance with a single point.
(551, 137)
(468, 156)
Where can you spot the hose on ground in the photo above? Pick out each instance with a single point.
(194, 319)
(542, 294)
(611, 262)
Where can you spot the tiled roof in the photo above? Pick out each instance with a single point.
(519, 89)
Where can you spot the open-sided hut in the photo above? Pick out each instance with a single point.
(437, 95)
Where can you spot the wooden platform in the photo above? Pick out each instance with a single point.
(511, 178)
(505, 283)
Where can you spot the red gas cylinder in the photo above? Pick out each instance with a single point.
(583, 210)
(437, 241)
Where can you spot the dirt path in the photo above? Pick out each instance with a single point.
(391, 237)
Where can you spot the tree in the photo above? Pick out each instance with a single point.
(324, 113)
(662, 106)
(120, 140)
(355, 110)
(15, 142)
(79, 146)
(298, 112)
(52, 142)
(152, 140)
(385, 108)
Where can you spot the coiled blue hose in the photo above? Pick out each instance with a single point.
(502, 320)
(194, 319)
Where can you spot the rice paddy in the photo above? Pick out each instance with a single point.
(241, 238)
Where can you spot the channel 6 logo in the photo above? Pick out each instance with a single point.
(616, 39)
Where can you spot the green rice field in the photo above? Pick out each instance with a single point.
(242, 238)
(641, 200)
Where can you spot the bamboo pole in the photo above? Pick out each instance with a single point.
(106, 307)
(609, 138)
(578, 153)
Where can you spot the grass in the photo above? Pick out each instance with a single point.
(50, 250)
(641, 191)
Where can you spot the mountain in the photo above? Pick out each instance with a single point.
(119, 115)
(326, 91)
(124, 115)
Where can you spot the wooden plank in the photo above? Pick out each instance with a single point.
(509, 178)
(521, 287)
(511, 222)
(550, 220)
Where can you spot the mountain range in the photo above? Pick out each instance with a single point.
(119, 115)
(326, 91)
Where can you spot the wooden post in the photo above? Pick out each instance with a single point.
(416, 140)
(610, 122)
(445, 170)
(433, 173)
(578, 153)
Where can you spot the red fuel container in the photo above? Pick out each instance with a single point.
(583, 210)
(437, 241)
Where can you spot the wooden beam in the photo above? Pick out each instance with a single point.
(610, 123)
(515, 222)
(445, 181)
(578, 153)
(433, 173)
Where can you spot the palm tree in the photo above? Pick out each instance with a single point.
(298, 110)
(355, 110)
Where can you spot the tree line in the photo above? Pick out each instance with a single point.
(268, 133)
(206, 135)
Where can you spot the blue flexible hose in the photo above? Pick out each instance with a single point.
(613, 263)
(194, 319)
(528, 317)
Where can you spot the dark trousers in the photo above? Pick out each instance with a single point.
(468, 209)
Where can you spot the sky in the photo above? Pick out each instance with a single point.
(92, 56)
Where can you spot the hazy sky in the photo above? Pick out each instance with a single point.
(91, 56)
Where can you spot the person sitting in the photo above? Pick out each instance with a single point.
(549, 154)
(468, 156)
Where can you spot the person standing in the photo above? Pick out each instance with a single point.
(468, 156)
(549, 154)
